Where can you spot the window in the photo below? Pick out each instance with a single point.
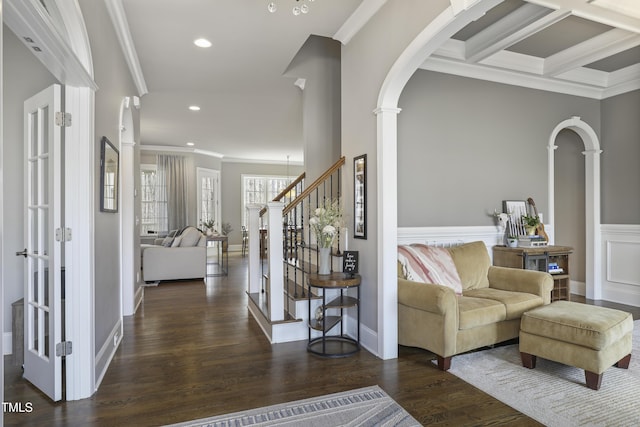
(209, 195)
(153, 200)
(260, 189)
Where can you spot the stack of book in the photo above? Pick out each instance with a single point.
(531, 241)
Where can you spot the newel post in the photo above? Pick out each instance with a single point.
(275, 250)
(253, 218)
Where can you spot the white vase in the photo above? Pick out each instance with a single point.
(324, 260)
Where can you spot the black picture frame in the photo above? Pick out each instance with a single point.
(360, 197)
(109, 176)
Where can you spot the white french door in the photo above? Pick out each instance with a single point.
(43, 263)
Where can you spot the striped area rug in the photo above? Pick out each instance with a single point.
(369, 406)
(552, 393)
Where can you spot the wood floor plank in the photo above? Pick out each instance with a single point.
(192, 350)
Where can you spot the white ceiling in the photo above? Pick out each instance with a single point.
(250, 111)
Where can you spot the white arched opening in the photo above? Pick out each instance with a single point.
(450, 21)
(592, 198)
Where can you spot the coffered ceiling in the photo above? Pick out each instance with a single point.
(573, 47)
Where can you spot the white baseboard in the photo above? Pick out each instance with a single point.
(107, 351)
(7, 343)
(138, 298)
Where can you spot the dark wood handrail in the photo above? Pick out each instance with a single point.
(289, 188)
(284, 192)
(313, 186)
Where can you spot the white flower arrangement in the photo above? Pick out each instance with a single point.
(326, 222)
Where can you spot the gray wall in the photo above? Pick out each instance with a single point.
(620, 142)
(231, 181)
(318, 62)
(114, 81)
(569, 193)
(464, 145)
(23, 76)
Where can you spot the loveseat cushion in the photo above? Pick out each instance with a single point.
(516, 303)
(472, 263)
(473, 312)
(429, 264)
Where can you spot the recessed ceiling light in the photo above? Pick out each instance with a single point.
(191, 144)
(194, 108)
(202, 43)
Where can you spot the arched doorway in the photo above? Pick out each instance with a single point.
(592, 198)
(451, 20)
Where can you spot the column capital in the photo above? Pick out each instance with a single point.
(393, 110)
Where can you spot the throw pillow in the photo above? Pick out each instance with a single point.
(429, 264)
(190, 237)
(176, 242)
(168, 241)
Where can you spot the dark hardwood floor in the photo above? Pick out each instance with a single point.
(192, 350)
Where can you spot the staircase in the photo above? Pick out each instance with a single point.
(282, 253)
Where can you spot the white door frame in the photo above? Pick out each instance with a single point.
(72, 65)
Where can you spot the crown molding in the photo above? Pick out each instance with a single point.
(173, 149)
(262, 161)
(121, 27)
(357, 20)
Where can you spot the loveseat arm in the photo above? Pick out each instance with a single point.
(436, 299)
(518, 280)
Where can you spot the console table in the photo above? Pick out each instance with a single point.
(333, 314)
(551, 259)
(221, 266)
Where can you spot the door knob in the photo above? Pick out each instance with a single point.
(23, 253)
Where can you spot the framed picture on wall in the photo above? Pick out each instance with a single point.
(109, 164)
(360, 197)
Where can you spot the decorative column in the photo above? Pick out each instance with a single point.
(253, 217)
(593, 248)
(387, 166)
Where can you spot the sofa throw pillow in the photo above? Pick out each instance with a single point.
(429, 264)
(168, 241)
(176, 242)
(190, 237)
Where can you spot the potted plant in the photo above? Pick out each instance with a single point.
(208, 226)
(531, 223)
(512, 241)
(325, 224)
(225, 230)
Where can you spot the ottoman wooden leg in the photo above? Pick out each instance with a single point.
(593, 380)
(624, 362)
(528, 360)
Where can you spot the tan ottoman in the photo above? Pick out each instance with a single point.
(585, 336)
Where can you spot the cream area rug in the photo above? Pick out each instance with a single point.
(369, 406)
(552, 393)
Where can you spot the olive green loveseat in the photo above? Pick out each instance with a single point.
(433, 317)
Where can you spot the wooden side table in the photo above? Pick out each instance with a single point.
(222, 256)
(552, 259)
(333, 314)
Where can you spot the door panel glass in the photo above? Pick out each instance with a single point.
(45, 349)
(35, 329)
(33, 146)
(44, 139)
(46, 235)
(44, 189)
(33, 172)
(45, 284)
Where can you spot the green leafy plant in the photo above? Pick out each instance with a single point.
(531, 221)
(208, 224)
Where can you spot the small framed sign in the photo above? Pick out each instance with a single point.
(350, 262)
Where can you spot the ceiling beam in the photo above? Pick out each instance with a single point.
(516, 26)
(583, 9)
(596, 48)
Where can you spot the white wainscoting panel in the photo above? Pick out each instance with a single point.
(620, 255)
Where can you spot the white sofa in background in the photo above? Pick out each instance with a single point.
(172, 258)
